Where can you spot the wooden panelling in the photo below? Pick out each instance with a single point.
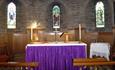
(3, 47)
(106, 37)
(89, 37)
(16, 42)
(3, 38)
(19, 42)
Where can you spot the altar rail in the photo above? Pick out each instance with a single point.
(94, 62)
(20, 65)
(81, 60)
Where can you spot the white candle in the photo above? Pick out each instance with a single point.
(67, 37)
(79, 32)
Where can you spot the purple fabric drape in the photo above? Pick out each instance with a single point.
(55, 57)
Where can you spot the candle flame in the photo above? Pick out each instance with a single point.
(34, 25)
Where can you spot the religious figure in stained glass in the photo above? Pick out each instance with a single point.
(11, 16)
(100, 18)
(56, 16)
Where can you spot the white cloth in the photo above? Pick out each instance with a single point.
(100, 49)
(56, 44)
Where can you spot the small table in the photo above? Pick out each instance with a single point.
(100, 49)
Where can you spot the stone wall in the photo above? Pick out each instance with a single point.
(73, 12)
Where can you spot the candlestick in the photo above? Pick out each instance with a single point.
(31, 34)
(79, 32)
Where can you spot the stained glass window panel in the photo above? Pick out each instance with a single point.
(100, 18)
(11, 16)
(56, 16)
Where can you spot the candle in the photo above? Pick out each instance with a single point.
(79, 32)
(67, 37)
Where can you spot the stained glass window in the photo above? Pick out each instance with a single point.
(56, 16)
(11, 16)
(100, 18)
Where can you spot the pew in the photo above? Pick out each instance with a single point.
(22, 65)
(92, 62)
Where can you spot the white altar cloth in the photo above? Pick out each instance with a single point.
(56, 44)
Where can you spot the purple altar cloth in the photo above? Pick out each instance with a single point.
(55, 57)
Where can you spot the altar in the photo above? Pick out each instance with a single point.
(55, 56)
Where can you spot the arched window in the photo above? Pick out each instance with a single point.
(56, 16)
(11, 16)
(100, 17)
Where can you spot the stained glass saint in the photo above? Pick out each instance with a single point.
(56, 16)
(100, 18)
(11, 16)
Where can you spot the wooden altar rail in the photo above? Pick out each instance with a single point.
(92, 62)
(95, 63)
(22, 65)
(81, 60)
